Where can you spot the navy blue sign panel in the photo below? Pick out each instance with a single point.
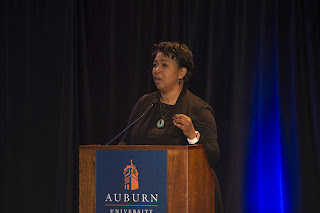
(131, 181)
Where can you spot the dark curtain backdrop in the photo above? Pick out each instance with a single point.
(71, 72)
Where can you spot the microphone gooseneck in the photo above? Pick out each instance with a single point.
(131, 124)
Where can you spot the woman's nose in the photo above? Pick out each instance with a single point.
(156, 69)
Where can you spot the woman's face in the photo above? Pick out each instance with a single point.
(166, 73)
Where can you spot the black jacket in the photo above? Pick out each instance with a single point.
(199, 111)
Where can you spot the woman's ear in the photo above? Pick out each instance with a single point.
(182, 72)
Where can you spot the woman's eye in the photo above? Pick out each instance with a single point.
(164, 65)
(155, 65)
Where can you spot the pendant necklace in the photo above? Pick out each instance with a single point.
(160, 122)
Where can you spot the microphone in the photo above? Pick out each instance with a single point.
(131, 124)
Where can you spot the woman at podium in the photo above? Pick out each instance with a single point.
(173, 115)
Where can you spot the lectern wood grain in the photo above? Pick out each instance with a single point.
(190, 182)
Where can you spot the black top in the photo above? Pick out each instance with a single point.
(155, 135)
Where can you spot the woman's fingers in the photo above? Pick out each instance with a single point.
(185, 124)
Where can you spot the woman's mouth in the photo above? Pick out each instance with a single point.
(157, 80)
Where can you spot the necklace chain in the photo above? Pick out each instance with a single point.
(163, 117)
(161, 122)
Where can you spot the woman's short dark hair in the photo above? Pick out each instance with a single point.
(178, 52)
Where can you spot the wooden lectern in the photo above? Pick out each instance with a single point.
(190, 184)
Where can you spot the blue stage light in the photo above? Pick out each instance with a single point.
(265, 179)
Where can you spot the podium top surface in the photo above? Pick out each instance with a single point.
(151, 147)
